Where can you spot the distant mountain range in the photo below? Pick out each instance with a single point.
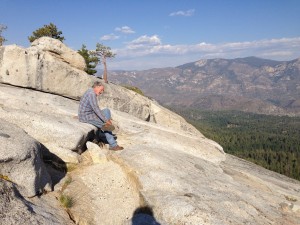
(247, 84)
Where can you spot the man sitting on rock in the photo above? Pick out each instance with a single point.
(89, 112)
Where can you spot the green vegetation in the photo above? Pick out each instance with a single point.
(90, 59)
(104, 52)
(270, 141)
(2, 39)
(66, 201)
(70, 167)
(135, 89)
(68, 180)
(290, 198)
(48, 31)
(4, 177)
(93, 57)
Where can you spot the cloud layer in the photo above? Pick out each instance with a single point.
(147, 52)
(125, 30)
(109, 37)
(112, 36)
(189, 12)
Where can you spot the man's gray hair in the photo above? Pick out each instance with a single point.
(96, 84)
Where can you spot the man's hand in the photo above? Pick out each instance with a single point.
(108, 122)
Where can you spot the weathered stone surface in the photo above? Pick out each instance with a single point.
(20, 160)
(97, 154)
(50, 66)
(57, 49)
(188, 180)
(38, 69)
(103, 194)
(124, 100)
(16, 210)
(50, 119)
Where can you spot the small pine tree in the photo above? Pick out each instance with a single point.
(48, 31)
(2, 39)
(91, 60)
(104, 52)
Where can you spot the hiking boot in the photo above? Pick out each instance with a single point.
(107, 127)
(116, 148)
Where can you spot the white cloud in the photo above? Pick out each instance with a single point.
(189, 12)
(125, 29)
(144, 41)
(109, 37)
(277, 54)
(149, 51)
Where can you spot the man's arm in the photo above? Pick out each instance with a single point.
(95, 107)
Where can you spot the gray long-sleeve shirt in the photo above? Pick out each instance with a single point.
(89, 108)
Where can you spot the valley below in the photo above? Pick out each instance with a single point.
(267, 140)
(250, 106)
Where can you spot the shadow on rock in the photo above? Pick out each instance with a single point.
(56, 167)
(144, 216)
(99, 138)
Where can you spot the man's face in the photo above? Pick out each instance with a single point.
(99, 90)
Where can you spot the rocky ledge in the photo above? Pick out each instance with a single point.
(169, 173)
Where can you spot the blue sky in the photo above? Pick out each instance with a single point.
(162, 33)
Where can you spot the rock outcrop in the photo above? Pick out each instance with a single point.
(60, 51)
(21, 161)
(50, 66)
(39, 69)
(167, 165)
(50, 119)
(16, 210)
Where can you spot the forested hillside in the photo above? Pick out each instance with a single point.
(270, 141)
